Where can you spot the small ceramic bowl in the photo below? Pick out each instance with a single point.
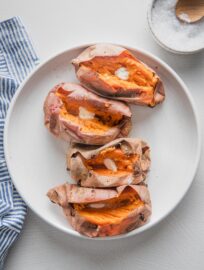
(162, 42)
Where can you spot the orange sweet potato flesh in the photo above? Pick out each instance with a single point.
(75, 114)
(103, 212)
(102, 120)
(112, 71)
(139, 75)
(123, 161)
(114, 210)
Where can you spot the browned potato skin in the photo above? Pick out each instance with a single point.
(91, 79)
(67, 194)
(89, 178)
(71, 132)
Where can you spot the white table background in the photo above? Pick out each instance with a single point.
(177, 242)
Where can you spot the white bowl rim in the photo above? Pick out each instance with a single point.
(163, 45)
(194, 167)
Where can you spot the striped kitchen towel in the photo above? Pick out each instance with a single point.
(17, 59)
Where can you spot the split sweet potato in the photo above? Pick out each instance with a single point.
(75, 114)
(121, 162)
(103, 212)
(112, 71)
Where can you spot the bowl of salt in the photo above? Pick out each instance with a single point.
(172, 34)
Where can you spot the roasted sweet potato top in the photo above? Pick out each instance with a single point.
(111, 211)
(90, 115)
(113, 71)
(123, 71)
(112, 160)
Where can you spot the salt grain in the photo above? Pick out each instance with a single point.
(173, 33)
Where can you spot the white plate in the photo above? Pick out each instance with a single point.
(36, 160)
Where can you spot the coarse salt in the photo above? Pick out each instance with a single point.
(173, 33)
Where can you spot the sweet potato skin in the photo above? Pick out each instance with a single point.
(91, 79)
(89, 178)
(62, 195)
(70, 131)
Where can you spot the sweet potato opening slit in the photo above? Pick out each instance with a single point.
(88, 115)
(110, 211)
(111, 161)
(110, 68)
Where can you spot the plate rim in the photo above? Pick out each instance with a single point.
(194, 166)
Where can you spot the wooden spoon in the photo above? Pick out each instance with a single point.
(190, 11)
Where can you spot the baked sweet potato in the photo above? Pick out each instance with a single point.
(103, 212)
(112, 71)
(75, 114)
(123, 161)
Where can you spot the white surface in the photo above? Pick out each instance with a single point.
(176, 243)
(174, 141)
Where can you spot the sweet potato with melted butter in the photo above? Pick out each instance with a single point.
(103, 212)
(75, 114)
(114, 72)
(121, 162)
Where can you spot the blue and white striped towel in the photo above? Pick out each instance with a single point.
(17, 59)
